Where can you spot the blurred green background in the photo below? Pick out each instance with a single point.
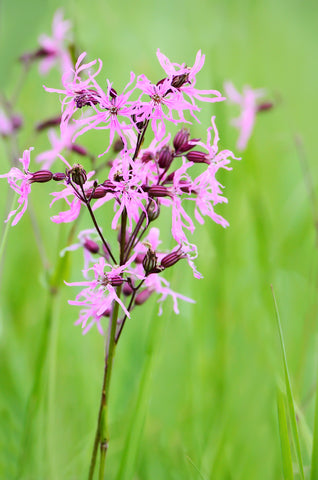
(193, 396)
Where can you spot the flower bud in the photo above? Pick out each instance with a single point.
(181, 141)
(118, 145)
(142, 297)
(147, 157)
(172, 258)
(158, 191)
(165, 157)
(98, 192)
(116, 281)
(265, 106)
(78, 149)
(197, 157)
(150, 262)
(59, 176)
(78, 174)
(127, 290)
(41, 176)
(51, 122)
(139, 258)
(153, 211)
(91, 246)
(179, 80)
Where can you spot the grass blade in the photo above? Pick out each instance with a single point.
(284, 440)
(314, 458)
(289, 394)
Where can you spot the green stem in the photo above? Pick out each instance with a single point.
(102, 435)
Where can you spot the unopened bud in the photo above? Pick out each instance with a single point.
(78, 174)
(159, 191)
(127, 290)
(179, 80)
(153, 211)
(147, 157)
(181, 141)
(98, 192)
(78, 149)
(165, 157)
(41, 176)
(150, 262)
(91, 246)
(118, 145)
(116, 281)
(142, 297)
(51, 122)
(172, 258)
(197, 157)
(265, 106)
(59, 176)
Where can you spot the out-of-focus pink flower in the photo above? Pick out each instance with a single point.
(53, 48)
(60, 142)
(9, 124)
(20, 182)
(248, 102)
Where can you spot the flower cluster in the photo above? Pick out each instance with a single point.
(177, 173)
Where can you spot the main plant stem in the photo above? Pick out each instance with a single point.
(102, 435)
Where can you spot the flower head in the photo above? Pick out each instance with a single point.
(20, 181)
(249, 107)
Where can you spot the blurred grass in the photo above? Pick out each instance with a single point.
(208, 409)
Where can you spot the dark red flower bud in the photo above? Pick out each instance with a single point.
(165, 157)
(41, 176)
(127, 290)
(142, 297)
(98, 192)
(182, 143)
(51, 122)
(265, 106)
(139, 257)
(107, 312)
(59, 176)
(158, 191)
(171, 259)
(147, 157)
(78, 174)
(17, 121)
(197, 157)
(91, 246)
(109, 186)
(78, 149)
(116, 281)
(118, 145)
(179, 80)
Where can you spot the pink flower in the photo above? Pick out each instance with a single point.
(20, 182)
(77, 91)
(185, 78)
(164, 99)
(208, 190)
(249, 107)
(100, 293)
(59, 143)
(113, 107)
(74, 203)
(53, 48)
